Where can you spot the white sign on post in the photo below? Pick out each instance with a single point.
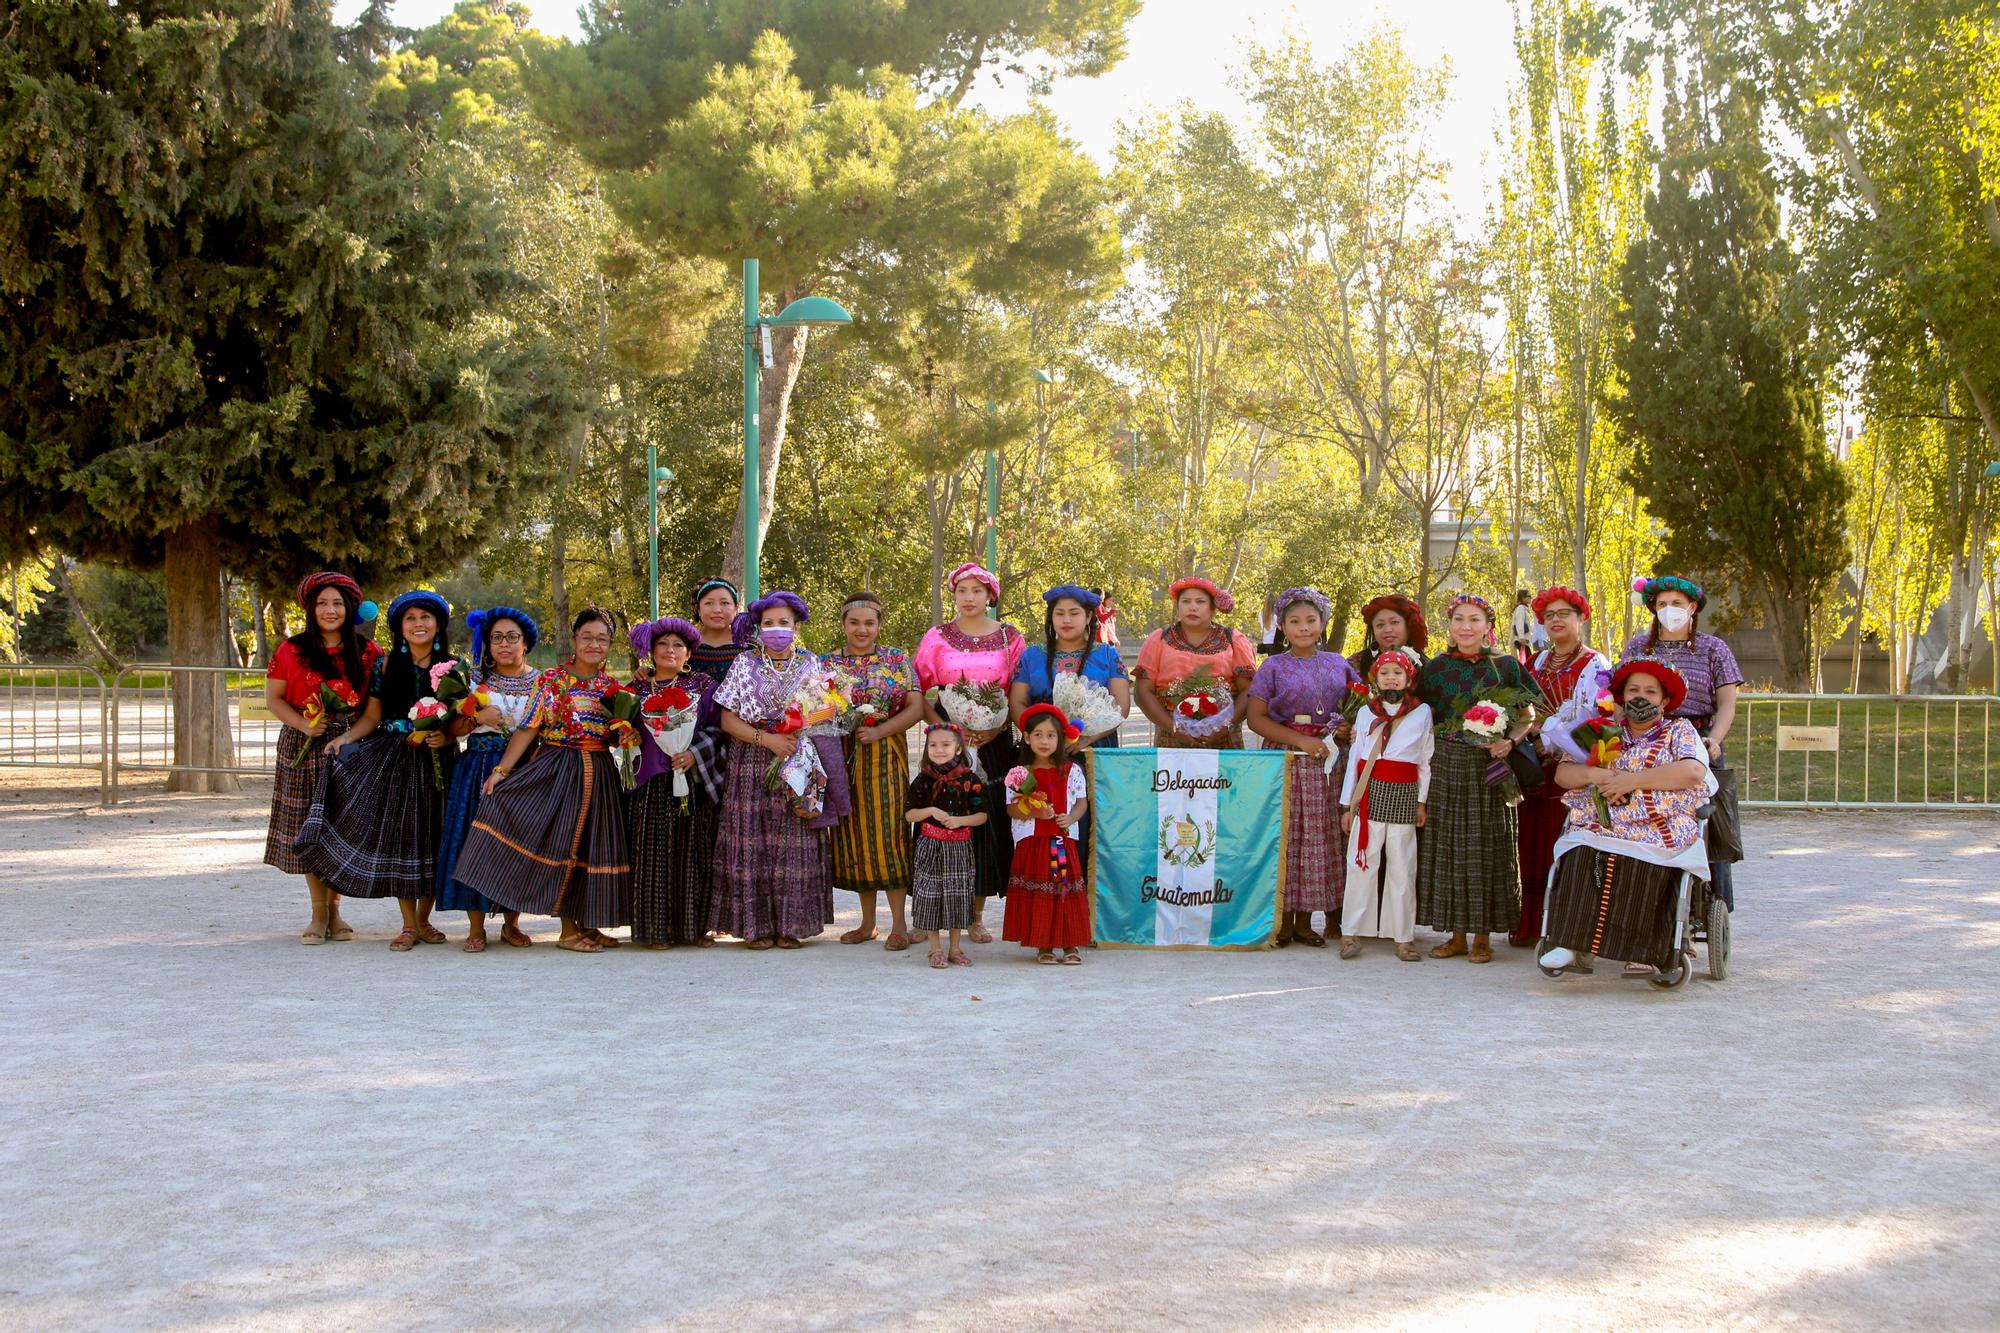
(1820, 740)
(766, 331)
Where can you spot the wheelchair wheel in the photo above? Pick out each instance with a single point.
(1676, 976)
(1718, 939)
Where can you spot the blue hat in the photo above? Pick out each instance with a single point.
(424, 597)
(1083, 597)
(477, 622)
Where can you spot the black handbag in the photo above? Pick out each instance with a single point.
(1527, 768)
(1725, 820)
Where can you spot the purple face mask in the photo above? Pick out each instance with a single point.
(777, 638)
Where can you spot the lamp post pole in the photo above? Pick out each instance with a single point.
(751, 464)
(992, 508)
(653, 528)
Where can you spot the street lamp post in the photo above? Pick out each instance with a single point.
(805, 313)
(656, 477)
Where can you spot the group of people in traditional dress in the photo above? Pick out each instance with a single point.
(1424, 789)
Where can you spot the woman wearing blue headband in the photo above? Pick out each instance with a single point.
(1070, 647)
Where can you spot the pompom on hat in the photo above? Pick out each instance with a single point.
(1650, 589)
(1069, 729)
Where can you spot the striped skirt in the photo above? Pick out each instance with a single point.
(993, 841)
(673, 863)
(773, 874)
(1315, 848)
(1615, 907)
(1540, 816)
(550, 840)
(1468, 876)
(942, 880)
(871, 847)
(481, 757)
(372, 829)
(292, 790)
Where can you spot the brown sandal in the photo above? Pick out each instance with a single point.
(897, 942)
(339, 931)
(858, 936)
(1481, 953)
(758, 946)
(787, 942)
(1451, 948)
(475, 944)
(1350, 946)
(1408, 952)
(515, 937)
(312, 936)
(430, 934)
(579, 944)
(602, 940)
(405, 942)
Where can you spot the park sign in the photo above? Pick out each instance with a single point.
(1187, 847)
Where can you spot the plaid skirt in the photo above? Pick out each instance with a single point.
(481, 757)
(871, 847)
(292, 790)
(372, 829)
(1615, 907)
(1467, 873)
(942, 880)
(773, 873)
(673, 863)
(550, 840)
(1315, 848)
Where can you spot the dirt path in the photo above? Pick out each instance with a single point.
(210, 1126)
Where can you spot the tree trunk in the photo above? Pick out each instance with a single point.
(259, 601)
(774, 403)
(559, 583)
(1791, 632)
(108, 659)
(195, 638)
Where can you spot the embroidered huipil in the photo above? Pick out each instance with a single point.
(884, 677)
(1704, 662)
(571, 712)
(302, 683)
(1304, 692)
(1100, 664)
(947, 654)
(1167, 656)
(1571, 688)
(514, 696)
(1660, 819)
(759, 690)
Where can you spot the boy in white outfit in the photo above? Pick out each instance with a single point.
(1382, 800)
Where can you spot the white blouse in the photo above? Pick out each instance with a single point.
(1074, 791)
(1412, 742)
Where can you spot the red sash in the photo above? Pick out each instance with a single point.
(1388, 770)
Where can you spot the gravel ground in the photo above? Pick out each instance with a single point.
(209, 1126)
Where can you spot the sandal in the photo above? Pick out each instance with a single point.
(1071, 958)
(787, 942)
(1350, 946)
(858, 936)
(429, 934)
(1451, 948)
(602, 940)
(758, 946)
(897, 942)
(1312, 939)
(958, 958)
(515, 937)
(579, 944)
(311, 936)
(1407, 951)
(475, 944)
(1481, 953)
(938, 960)
(980, 934)
(339, 930)
(404, 942)
(1046, 957)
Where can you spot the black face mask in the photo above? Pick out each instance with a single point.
(1392, 696)
(1641, 710)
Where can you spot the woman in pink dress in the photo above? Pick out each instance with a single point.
(975, 647)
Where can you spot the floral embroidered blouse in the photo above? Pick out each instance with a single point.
(571, 712)
(1167, 656)
(758, 690)
(302, 683)
(1659, 819)
(947, 654)
(1101, 663)
(885, 677)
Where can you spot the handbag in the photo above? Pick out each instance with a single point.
(1521, 760)
(1725, 820)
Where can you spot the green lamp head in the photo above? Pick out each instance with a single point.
(810, 312)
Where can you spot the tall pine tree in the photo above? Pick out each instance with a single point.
(247, 326)
(1728, 440)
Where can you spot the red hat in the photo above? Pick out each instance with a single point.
(1220, 596)
(1670, 680)
(1400, 655)
(1069, 729)
(311, 586)
(1559, 593)
(1412, 614)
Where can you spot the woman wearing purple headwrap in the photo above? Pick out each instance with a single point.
(773, 868)
(673, 836)
(1295, 704)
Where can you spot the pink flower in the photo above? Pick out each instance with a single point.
(1483, 714)
(425, 709)
(439, 670)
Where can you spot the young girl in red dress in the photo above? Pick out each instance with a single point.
(1046, 909)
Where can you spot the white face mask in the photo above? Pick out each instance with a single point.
(1673, 619)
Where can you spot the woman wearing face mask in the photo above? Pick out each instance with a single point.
(1707, 666)
(976, 646)
(1391, 621)
(1194, 642)
(375, 821)
(773, 868)
(328, 653)
(549, 839)
(1618, 867)
(1468, 876)
(1568, 673)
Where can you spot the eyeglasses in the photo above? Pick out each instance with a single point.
(510, 638)
(1558, 613)
(593, 641)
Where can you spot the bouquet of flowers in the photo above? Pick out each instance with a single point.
(1201, 705)
(1490, 718)
(669, 716)
(823, 704)
(1086, 703)
(800, 775)
(1352, 702)
(335, 697)
(451, 685)
(427, 715)
(623, 706)
(1595, 740)
(974, 705)
(1022, 791)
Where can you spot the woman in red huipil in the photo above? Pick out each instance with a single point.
(1569, 673)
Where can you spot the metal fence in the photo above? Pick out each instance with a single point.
(1866, 751)
(1843, 751)
(56, 717)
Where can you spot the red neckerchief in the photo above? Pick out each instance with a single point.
(1410, 701)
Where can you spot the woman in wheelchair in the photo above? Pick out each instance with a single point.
(1634, 830)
